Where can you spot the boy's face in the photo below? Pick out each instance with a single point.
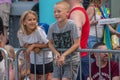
(60, 12)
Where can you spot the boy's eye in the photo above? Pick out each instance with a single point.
(58, 11)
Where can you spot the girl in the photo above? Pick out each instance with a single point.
(33, 38)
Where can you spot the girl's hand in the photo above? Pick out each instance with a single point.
(36, 50)
(26, 45)
(30, 48)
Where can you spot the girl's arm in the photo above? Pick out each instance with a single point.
(40, 45)
(35, 47)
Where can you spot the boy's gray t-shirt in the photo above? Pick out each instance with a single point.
(63, 38)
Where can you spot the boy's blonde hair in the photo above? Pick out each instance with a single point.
(65, 4)
(10, 51)
(23, 17)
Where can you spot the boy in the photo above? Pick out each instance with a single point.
(64, 34)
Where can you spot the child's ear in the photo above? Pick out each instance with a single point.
(24, 23)
(67, 13)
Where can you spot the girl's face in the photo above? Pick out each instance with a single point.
(60, 13)
(30, 22)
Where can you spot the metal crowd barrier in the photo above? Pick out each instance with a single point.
(79, 50)
(6, 62)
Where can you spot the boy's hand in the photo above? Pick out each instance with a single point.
(61, 60)
(57, 56)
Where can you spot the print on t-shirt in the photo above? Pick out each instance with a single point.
(62, 40)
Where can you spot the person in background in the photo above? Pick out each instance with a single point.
(11, 54)
(5, 6)
(33, 38)
(64, 34)
(95, 14)
(2, 44)
(101, 61)
(24, 66)
(79, 16)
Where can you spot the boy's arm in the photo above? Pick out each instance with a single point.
(51, 46)
(69, 51)
(72, 48)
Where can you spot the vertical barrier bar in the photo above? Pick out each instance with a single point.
(61, 68)
(16, 60)
(34, 66)
(25, 66)
(80, 69)
(109, 67)
(44, 78)
(89, 65)
(71, 66)
(100, 77)
(119, 65)
(6, 62)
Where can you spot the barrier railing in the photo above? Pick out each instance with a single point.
(79, 50)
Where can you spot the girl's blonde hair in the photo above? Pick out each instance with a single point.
(10, 51)
(23, 17)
